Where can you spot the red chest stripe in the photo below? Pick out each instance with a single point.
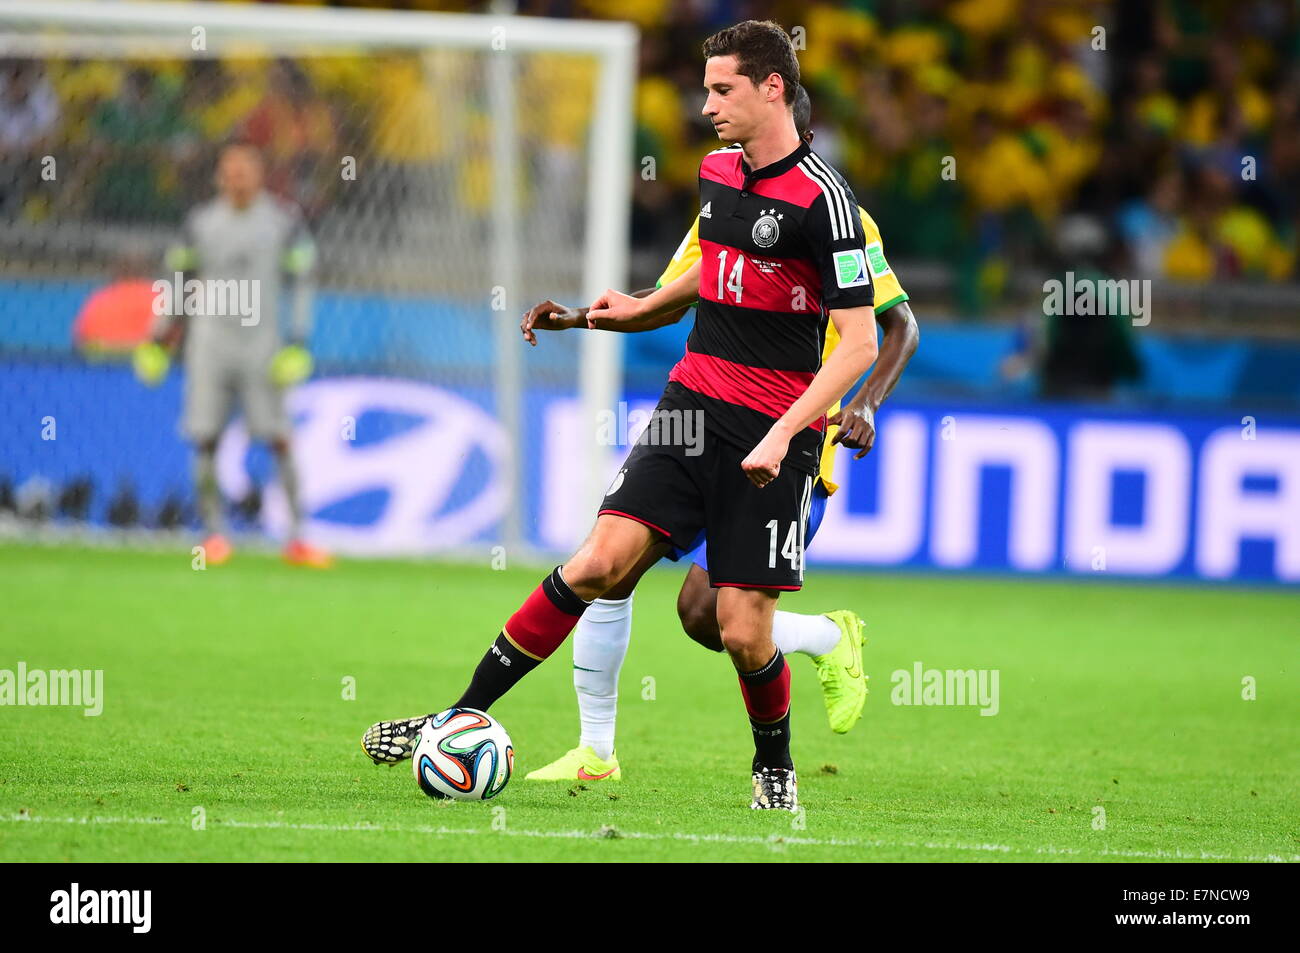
(723, 167)
(793, 187)
(758, 388)
(783, 285)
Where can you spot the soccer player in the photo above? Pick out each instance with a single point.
(784, 250)
(243, 243)
(832, 640)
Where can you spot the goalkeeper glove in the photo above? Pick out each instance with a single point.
(291, 365)
(150, 362)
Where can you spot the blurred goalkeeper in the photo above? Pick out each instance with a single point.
(236, 254)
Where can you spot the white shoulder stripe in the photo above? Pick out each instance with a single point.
(832, 206)
(838, 190)
(833, 195)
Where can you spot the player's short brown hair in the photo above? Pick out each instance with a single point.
(761, 48)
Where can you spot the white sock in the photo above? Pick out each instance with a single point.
(809, 634)
(599, 645)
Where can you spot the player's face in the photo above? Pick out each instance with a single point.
(735, 106)
(239, 175)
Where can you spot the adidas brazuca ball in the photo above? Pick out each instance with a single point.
(463, 753)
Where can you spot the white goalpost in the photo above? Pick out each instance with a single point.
(491, 160)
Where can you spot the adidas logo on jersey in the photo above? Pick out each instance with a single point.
(705, 212)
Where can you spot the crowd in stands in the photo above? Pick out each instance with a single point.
(968, 128)
(971, 128)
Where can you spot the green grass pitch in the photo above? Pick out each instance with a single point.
(224, 691)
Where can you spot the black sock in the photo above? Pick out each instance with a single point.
(772, 743)
(501, 667)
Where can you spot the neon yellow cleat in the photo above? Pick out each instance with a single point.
(844, 684)
(580, 764)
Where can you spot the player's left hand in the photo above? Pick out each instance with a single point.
(291, 365)
(857, 423)
(764, 461)
(550, 316)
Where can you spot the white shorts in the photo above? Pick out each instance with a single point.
(212, 389)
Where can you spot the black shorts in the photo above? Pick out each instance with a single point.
(682, 487)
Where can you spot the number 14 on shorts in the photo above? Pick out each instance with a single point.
(790, 549)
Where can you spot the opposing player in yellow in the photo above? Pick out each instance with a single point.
(833, 640)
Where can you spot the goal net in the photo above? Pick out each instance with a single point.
(452, 169)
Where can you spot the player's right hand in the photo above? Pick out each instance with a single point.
(614, 306)
(763, 464)
(291, 365)
(549, 316)
(150, 362)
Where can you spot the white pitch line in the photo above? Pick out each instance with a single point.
(774, 840)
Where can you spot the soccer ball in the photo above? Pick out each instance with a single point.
(463, 754)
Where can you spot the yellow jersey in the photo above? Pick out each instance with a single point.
(888, 293)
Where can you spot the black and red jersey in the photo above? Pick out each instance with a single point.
(780, 248)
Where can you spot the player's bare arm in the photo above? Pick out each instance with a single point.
(849, 361)
(857, 418)
(648, 323)
(615, 307)
(551, 316)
